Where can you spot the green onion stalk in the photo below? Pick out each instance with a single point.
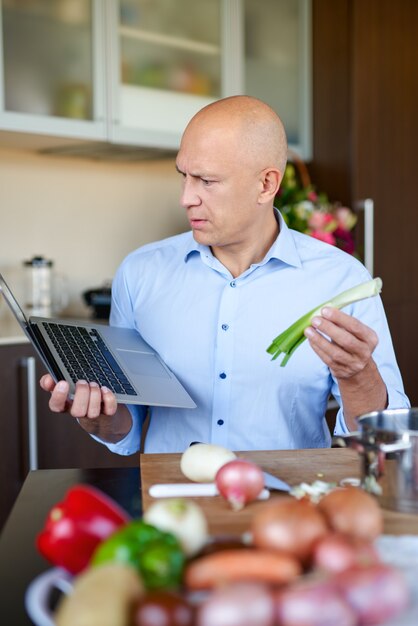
(291, 338)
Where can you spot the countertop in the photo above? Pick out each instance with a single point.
(11, 333)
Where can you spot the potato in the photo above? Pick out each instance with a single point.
(101, 596)
(201, 461)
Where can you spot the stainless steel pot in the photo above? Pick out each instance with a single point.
(387, 442)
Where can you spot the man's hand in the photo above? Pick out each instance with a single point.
(347, 349)
(351, 346)
(89, 400)
(94, 407)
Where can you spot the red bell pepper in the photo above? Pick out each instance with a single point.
(76, 525)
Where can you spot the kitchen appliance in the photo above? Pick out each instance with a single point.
(45, 293)
(387, 442)
(38, 281)
(99, 300)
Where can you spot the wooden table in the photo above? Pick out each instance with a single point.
(293, 466)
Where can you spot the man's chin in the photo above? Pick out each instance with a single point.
(201, 238)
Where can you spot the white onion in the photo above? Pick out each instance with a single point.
(183, 518)
(201, 461)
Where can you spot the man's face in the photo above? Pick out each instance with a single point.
(220, 187)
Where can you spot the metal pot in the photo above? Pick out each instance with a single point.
(387, 442)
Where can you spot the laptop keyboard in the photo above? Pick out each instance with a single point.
(86, 357)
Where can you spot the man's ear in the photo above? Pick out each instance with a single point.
(270, 179)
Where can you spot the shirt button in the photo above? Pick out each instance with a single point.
(222, 375)
(225, 327)
(220, 422)
(233, 283)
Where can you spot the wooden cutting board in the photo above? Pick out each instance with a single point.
(293, 466)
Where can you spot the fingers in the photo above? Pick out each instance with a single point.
(89, 399)
(348, 344)
(47, 382)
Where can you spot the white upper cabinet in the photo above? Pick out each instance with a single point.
(52, 72)
(167, 65)
(133, 72)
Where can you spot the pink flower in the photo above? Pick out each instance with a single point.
(345, 218)
(312, 196)
(344, 240)
(318, 220)
(324, 236)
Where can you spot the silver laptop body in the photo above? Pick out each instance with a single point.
(115, 357)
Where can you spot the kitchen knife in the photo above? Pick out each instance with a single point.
(179, 490)
(272, 482)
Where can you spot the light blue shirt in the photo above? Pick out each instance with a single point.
(212, 330)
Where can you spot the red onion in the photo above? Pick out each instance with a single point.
(239, 482)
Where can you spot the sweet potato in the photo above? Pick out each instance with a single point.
(237, 565)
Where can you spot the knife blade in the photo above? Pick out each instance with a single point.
(192, 490)
(275, 483)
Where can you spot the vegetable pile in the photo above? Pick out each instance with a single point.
(291, 338)
(301, 563)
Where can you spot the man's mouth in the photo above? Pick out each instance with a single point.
(197, 222)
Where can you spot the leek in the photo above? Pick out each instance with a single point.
(293, 337)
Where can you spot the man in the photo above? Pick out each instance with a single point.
(211, 300)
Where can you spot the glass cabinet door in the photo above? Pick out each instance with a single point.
(168, 65)
(170, 45)
(277, 63)
(48, 59)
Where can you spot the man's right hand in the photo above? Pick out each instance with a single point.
(89, 400)
(93, 406)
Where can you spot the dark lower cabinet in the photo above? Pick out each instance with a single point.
(31, 436)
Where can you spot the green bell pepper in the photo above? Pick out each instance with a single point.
(157, 555)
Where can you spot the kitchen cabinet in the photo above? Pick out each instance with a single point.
(52, 75)
(78, 75)
(31, 436)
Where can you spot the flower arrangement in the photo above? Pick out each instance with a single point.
(312, 213)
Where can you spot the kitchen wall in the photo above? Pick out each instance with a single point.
(85, 215)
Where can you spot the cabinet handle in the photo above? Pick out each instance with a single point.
(30, 364)
(367, 206)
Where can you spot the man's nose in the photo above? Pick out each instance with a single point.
(189, 196)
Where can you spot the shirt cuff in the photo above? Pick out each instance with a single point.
(131, 443)
(396, 400)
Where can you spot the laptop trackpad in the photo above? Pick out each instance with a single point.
(143, 364)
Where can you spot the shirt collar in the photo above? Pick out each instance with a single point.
(283, 249)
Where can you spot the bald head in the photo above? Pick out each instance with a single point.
(250, 125)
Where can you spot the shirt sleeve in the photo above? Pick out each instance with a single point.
(131, 443)
(371, 313)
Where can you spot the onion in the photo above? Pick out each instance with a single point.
(336, 552)
(239, 482)
(201, 461)
(376, 593)
(352, 511)
(289, 525)
(183, 518)
(239, 604)
(313, 603)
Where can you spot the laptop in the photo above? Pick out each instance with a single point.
(117, 358)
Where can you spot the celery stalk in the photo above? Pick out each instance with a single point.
(293, 337)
